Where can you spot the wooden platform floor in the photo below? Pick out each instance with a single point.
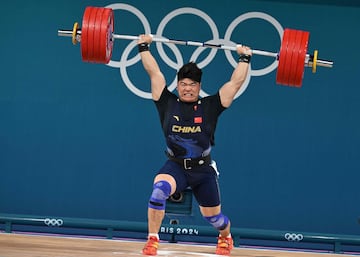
(19, 245)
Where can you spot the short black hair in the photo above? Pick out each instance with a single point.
(191, 71)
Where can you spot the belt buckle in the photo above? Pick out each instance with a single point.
(185, 164)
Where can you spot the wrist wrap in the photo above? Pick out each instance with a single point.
(245, 58)
(142, 47)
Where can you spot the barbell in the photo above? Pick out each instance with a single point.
(96, 37)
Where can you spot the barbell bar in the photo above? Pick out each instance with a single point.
(96, 37)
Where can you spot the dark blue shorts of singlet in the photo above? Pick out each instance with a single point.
(202, 180)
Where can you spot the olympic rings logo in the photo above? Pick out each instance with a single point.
(294, 237)
(125, 62)
(53, 222)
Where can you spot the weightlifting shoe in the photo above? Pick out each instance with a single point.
(224, 245)
(151, 246)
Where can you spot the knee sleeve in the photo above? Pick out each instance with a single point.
(161, 192)
(219, 221)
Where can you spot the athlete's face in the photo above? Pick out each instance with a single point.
(188, 90)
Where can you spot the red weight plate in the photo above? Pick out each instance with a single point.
(92, 34)
(106, 31)
(88, 45)
(282, 55)
(84, 33)
(295, 57)
(97, 35)
(109, 36)
(301, 60)
(290, 54)
(299, 66)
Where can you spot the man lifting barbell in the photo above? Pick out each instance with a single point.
(189, 124)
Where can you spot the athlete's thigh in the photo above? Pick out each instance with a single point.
(206, 190)
(174, 170)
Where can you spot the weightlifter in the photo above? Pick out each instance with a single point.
(189, 123)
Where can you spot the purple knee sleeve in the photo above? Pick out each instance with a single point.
(161, 192)
(219, 221)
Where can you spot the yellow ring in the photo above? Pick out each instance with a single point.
(314, 61)
(74, 33)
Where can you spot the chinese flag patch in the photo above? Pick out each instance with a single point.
(198, 120)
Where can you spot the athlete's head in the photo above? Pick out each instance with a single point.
(189, 82)
(190, 71)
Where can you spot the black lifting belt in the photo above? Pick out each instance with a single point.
(189, 163)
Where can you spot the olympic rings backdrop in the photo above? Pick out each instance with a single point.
(84, 140)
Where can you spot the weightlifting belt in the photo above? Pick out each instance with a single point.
(189, 163)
